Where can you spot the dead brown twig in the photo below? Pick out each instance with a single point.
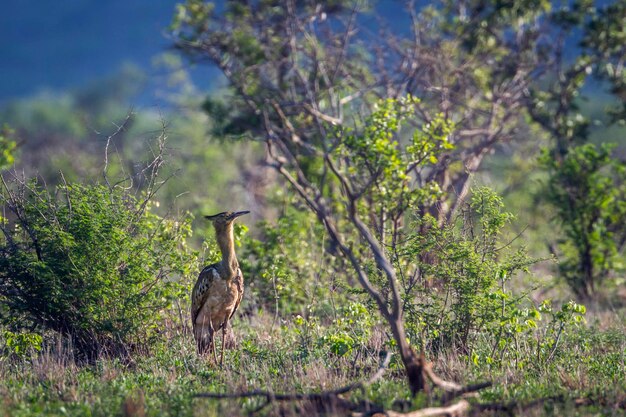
(454, 410)
(332, 401)
(323, 398)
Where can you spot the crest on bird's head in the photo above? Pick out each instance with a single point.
(225, 216)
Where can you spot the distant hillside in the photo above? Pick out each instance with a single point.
(61, 45)
(64, 44)
(67, 43)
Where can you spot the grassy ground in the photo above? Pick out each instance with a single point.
(273, 355)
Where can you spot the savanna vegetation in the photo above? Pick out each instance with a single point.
(438, 217)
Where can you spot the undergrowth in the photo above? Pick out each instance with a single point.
(269, 356)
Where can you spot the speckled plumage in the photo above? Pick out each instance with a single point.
(219, 289)
(214, 301)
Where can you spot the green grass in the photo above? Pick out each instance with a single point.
(269, 356)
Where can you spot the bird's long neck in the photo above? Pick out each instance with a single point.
(226, 242)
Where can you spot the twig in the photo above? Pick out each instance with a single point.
(454, 410)
(329, 396)
(332, 397)
(452, 390)
(120, 128)
(444, 385)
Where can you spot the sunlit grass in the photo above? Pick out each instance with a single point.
(589, 365)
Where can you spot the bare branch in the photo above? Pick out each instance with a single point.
(332, 120)
(120, 128)
(444, 385)
(456, 410)
(323, 395)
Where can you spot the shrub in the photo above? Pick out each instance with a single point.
(468, 303)
(21, 345)
(90, 262)
(465, 268)
(587, 187)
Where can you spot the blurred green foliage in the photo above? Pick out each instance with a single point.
(7, 147)
(22, 344)
(286, 264)
(587, 187)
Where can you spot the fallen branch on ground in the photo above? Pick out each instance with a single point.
(329, 397)
(454, 410)
(331, 400)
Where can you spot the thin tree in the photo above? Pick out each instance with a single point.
(328, 89)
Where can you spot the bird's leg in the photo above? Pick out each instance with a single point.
(198, 336)
(212, 348)
(211, 344)
(231, 341)
(223, 341)
(201, 331)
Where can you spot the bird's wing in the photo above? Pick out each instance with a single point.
(201, 290)
(239, 282)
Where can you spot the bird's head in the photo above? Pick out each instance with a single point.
(223, 219)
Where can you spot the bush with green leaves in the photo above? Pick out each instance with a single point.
(351, 330)
(587, 188)
(457, 275)
(90, 262)
(346, 334)
(21, 344)
(474, 269)
(527, 336)
(467, 302)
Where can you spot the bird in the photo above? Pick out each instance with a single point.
(219, 289)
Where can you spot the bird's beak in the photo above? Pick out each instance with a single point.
(238, 213)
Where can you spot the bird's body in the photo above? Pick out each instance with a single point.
(218, 290)
(215, 299)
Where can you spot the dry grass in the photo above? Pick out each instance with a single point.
(276, 357)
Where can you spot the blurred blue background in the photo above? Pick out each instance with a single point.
(59, 45)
